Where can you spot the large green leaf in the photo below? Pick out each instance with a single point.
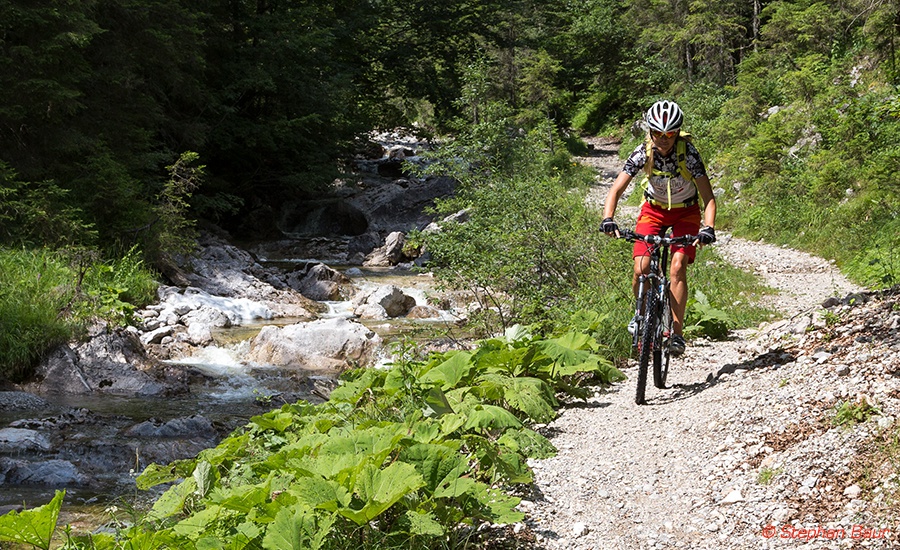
(449, 373)
(426, 430)
(423, 523)
(437, 403)
(452, 422)
(337, 467)
(228, 449)
(378, 490)
(569, 348)
(316, 492)
(350, 391)
(516, 333)
(204, 476)
(508, 360)
(484, 417)
(243, 498)
(501, 506)
(197, 524)
(172, 501)
(528, 442)
(511, 467)
(591, 364)
(35, 526)
(435, 462)
(244, 537)
(297, 528)
(454, 485)
(375, 441)
(277, 421)
(531, 396)
(154, 475)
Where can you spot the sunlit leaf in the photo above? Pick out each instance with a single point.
(35, 526)
(380, 489)
(449, 373)
(297, 528)
(423, 523)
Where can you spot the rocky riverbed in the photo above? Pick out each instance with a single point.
(236, 331)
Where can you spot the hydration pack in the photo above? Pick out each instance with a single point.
(680, 153)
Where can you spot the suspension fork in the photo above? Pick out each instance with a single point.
(665, 285)
(646, 283)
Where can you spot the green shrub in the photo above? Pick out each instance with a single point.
(38, 214)
(114, 289)
(529, 242)
(48, 297)
(846, 413)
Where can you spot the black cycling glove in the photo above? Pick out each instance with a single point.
(707, 235)
(609, 226)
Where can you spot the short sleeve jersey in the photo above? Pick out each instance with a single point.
(667, 183)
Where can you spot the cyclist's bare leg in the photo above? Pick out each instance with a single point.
(679, 287)
(641, 267)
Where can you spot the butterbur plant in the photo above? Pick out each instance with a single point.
(414, 456)
(34, 527)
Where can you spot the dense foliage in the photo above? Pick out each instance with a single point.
(416, 456)
(793, 101)
(805, 138)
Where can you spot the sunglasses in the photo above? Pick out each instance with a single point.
(669, 135)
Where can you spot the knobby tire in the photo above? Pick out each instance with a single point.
(648, 330)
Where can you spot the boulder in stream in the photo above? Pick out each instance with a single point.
(322, 345)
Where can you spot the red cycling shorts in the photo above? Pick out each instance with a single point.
(683, 221)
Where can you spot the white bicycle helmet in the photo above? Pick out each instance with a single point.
(664, 116)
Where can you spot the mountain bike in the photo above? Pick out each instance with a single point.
(653, 312)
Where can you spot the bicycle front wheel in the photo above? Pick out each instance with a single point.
(648, 330)
(661, 343)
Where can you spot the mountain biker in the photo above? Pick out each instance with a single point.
(676, 175)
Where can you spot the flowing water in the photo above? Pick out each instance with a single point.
(225, 389)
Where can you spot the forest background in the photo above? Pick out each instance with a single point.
(124, 123)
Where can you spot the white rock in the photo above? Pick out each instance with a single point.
(732, 497)
(579, 530)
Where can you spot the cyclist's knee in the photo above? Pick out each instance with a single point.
(678, 268)
(641, 266)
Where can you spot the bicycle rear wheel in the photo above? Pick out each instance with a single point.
(648, 330)
(661, 354)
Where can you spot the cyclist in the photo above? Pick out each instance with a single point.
(676, 176)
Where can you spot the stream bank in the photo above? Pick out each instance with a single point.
(237, 331)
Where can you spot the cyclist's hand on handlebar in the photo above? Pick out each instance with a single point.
(707, 235)
(610, 227)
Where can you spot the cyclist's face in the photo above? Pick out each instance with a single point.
(663, 140)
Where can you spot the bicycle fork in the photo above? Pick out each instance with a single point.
(650, 283)
(640, 313)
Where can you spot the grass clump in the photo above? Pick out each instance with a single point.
(849, 413)
(36, 290)
(767, 474)
(48, 297)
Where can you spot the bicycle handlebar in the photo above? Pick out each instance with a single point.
(631, 237)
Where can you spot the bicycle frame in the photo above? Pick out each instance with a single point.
(654, 280)
(653, 309)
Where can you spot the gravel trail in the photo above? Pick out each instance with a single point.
(739, 452)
